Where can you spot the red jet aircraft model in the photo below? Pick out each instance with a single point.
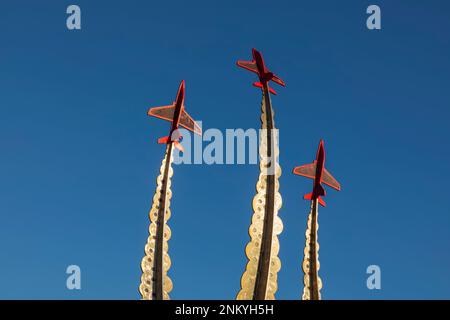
(317, 171)
(258, 66)
(175, 113)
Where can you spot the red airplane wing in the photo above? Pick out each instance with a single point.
(307, 170)
(165, 113)
(278, 80)
(249, 65)
(328, 179)
(187, 122)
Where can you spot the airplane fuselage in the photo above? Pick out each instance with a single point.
(176, 118)
(179, 106)
(261, 67)
(320, 162)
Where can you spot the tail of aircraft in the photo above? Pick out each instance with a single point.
(164, 140)
(309, 196)
(259, 85)
(175, 138)
(317, 193)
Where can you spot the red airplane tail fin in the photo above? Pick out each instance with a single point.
(178, 146)
(309, 196)
(163, 140)
(166, 140)
(322, 203)
(259, 85)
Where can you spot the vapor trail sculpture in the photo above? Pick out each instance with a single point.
(155, 284)
(316, 170)
(259, 281)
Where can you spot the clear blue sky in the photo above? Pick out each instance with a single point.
(78, 158)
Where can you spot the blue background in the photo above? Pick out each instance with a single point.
(78, 158)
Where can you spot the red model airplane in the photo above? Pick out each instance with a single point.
(257, 66)
(317, 171)
(175, 113)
